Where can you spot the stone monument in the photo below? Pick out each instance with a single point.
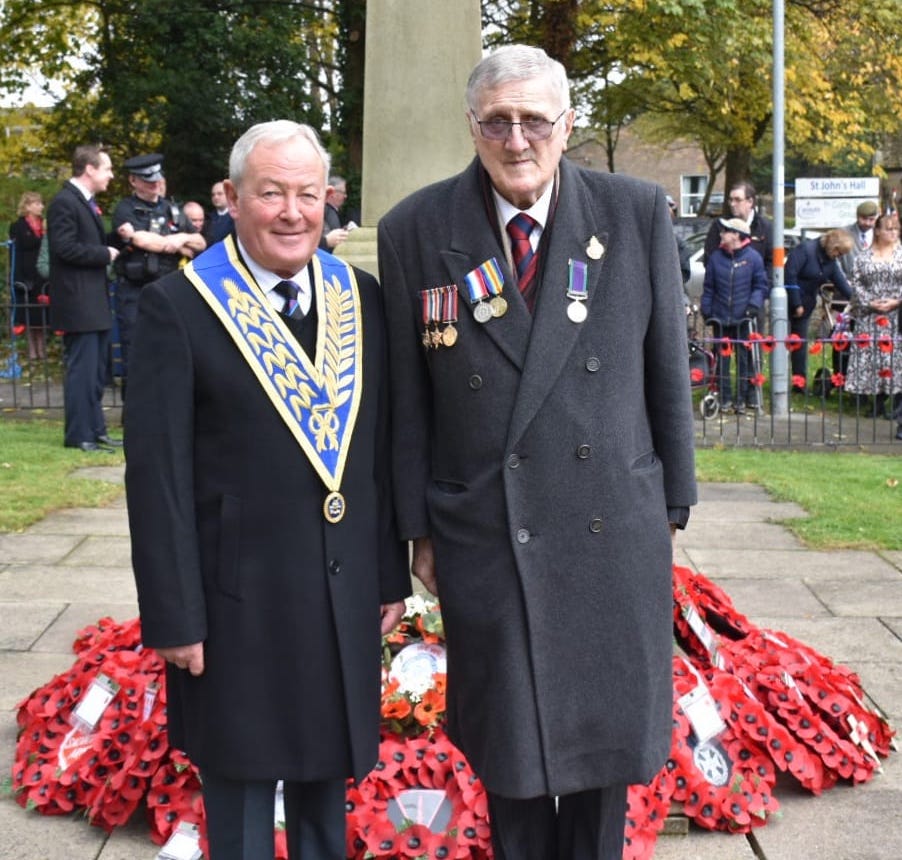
(419, 54)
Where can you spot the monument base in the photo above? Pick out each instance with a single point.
(360, 250)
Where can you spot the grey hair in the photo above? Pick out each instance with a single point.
(273, 132)
(516, 63)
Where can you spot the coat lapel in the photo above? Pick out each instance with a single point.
(473, 242)
(554, 335)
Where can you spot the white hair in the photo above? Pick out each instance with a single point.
(273, 132)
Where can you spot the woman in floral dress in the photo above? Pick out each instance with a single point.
(875, 365)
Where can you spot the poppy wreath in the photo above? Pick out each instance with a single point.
(820, 703)
(422, 762)
(727, 782)
(106, 772)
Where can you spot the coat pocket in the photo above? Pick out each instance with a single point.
(228, 568)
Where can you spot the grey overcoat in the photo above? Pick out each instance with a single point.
(541, 456)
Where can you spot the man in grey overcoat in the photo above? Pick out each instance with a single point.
(543, 456)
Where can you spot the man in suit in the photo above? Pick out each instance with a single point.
(334, 232)
(862, 233)
(542, 454)
(80, 252)
(259, 497)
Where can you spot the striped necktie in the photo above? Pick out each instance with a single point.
(289, 291)
(526, 261)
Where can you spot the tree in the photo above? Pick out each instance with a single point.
(184, 79)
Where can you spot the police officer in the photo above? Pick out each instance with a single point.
(153, 240)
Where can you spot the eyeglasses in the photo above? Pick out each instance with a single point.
(737, 199)
(531, 129)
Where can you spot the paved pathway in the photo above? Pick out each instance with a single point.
(73, 567)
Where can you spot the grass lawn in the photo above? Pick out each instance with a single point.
(854, 500)
(35, 473)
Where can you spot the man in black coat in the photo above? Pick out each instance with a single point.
(80, 252)
(259, 498)
(543, 453)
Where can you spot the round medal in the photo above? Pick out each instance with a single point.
(498, 304)
(595, 249)
(334, 507)
(577, 312)
(482, 312)
(449, 335)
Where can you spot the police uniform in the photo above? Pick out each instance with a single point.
(135, 267)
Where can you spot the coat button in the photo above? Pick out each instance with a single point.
(334, 567)
(476, 382)
(593, 364)
(523, 535)
(513, 461)
(595, 525)
(583, 452)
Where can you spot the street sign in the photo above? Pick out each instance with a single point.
(833, 201)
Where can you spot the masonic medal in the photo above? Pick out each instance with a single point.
(334, 507)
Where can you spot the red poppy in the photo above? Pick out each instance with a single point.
(696, 375)
(794, 342)
(726, 347)
(768, 343)
(838, 379)
(430, 708)
(815, 347)
(882, 321)
(841, 340)
(43, 299)
(863, 340)
(885, 343)
(758, 380)
(18, 329)
(885, 373)
(798, 381)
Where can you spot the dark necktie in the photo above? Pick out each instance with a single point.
(526, 261)
(94, 207)
(289, 291)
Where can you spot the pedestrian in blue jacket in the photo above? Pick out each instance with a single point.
(734, 290)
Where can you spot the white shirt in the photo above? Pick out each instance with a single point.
(86, 193)
(267, 281)
(538, 211)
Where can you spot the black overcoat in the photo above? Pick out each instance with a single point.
(542, 455)
(79, 256)
(230, 547)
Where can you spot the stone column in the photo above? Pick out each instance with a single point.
(419, 54)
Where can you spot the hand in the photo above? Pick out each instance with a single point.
(391, 616)
(114, 252)
(423, 564)
(336, 237)
(126, 230)
(799, 311)
(190, 657)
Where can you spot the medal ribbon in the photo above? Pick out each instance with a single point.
(577, 287)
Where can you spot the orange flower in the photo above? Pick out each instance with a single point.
(395, 709)
(440, 682)
(430, 708)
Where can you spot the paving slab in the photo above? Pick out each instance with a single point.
(853, 641)
(105, 551)
(747, 562)
(83, 521)
(739, 536)
(865, 597)
(894, 558)
(68, 584)
(772, 597)
(22, 624)
(37, 549)
(110, 474)
(860, 823)
(59, 635)
(883, 684)
(704, 845)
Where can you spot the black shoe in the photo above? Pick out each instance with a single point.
(91, 446)
(109, 441)
(740, 409)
